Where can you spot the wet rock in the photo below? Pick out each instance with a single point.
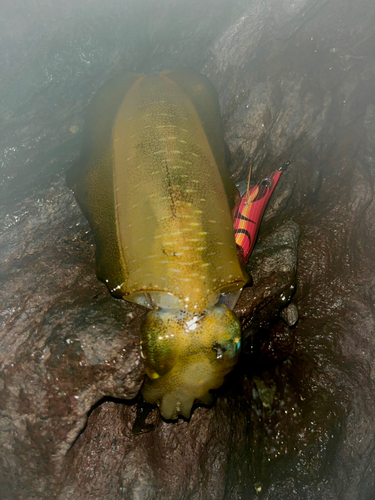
(249, 126)
(64, 343)
(290, 315)
(295, 418)
(273, 266)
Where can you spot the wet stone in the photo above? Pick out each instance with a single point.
(290, 315)
(273, 267)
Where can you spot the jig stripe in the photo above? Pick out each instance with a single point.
(250, 211)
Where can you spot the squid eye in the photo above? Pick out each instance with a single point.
(266, 183)
(228, 349)
(219, 351)
(237, 347)
(227, 339)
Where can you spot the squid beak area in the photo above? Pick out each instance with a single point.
(176, 392)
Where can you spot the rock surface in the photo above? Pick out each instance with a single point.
(295, 418)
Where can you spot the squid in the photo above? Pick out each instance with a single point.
(152, 180)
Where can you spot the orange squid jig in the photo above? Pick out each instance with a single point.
(250, 210)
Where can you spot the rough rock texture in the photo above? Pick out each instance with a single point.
(295, 418)
(64, 342)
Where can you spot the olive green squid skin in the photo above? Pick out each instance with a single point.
(152, 180)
